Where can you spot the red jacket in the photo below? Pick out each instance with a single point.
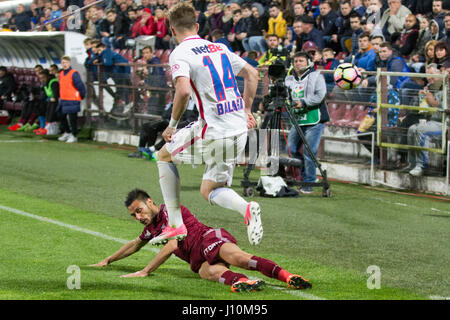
(143, 30)
(161, 27)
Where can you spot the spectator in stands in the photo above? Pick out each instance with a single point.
(393, 63)
(162, 36)
(373, 12)
(227, 20)
(274, 48)
(238, 31)
(22, 18)
(299, 9)
(219, 37)
(344, 30)
(257, 27)
(7, 85)
(409, 36)
(71, 92)
(216, 18)
(204, 31)
(429, 52)
(330, 63)
(429, 125)
(114, 68)
(355, 24)
(113, 30)
(288, 42)
(442, 54)
(155, 78)
(365, 58)
(308, 89)
(447, 28)
(435, 32)
(56, 13)
(92, 23)
(417, 56)
(51, 89)
(147, 23)
(310, 33)
(438, 14)
(393, 19)
(276, 24)
(311, 48)
(152, 5)
(326, 22)
(358, 7)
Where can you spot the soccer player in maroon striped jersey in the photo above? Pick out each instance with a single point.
(209, 251)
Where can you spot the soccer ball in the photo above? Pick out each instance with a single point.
(347, 76)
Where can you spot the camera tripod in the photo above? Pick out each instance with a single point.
(272, 121)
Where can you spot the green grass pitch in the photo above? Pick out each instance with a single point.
(62, 205)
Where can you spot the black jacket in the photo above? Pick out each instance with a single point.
(117, 28)
(327, 24)
(7, 84)
(22, 21)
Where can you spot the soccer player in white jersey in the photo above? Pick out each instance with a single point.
(206, 71)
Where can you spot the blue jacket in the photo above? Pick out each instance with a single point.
(315, 36)
(397, 64)
(365, 60)
(156, 75)
(71, 106)
(110, 58)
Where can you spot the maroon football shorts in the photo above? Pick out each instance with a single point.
(209, 246)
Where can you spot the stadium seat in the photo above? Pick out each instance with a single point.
(332, 108)
(13, 106)
(361, 113)
(338, 114)
(159, 53)
(165, 56)
(350, 115)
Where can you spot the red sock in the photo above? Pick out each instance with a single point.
(229, 277)
(268, 268)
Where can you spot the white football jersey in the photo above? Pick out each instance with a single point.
(211, 68)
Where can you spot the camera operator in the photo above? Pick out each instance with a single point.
(308, 91)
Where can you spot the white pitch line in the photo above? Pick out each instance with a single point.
(14, 141)
(123, 241)
(70, 226)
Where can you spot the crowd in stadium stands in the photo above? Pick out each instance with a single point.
(400, 35)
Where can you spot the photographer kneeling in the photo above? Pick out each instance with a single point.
(308, 90)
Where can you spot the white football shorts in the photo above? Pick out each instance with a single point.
(219, 155)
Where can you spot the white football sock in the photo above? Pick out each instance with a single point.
(169, 181)
(228, 198)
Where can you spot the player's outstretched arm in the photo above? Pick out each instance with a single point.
(158, 260)
(250, 76)
(127, 250)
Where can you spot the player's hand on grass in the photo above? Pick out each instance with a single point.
(251, 122)
(138, 274)
(103, 263)
(168, 133)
